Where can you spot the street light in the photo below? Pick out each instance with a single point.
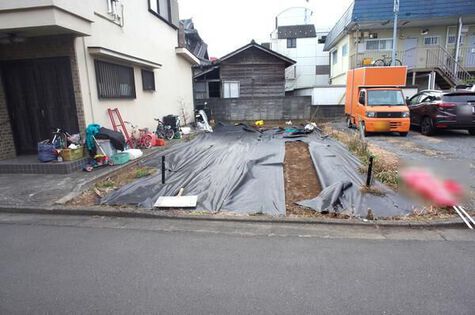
(396, 11)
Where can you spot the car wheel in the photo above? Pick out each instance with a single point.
(403, 134)
(348, 122)
(427, 127)
(471, 131)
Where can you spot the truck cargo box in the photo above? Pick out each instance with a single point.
(372, 77)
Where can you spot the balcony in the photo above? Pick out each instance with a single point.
(46, 17)
(423, 59)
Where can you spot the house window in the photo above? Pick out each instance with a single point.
(322, 69)
(344, 50)
(431, 40)
(379, 44)
(231, 89)
(453, 38)
(291, 42)
(148, 80)
(160, 8)
(114, 81)
(335, 57)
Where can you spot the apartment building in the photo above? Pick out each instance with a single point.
(426, 40)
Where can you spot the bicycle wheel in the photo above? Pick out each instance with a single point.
(169, 134)
(398, 62)
(133, 143)
(378, 63)
(147, 141)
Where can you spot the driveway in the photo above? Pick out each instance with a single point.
(449, 153)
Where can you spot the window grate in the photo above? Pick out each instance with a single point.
(114, 81)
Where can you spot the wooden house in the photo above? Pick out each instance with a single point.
(247, 84)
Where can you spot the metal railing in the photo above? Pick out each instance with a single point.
(440, 58)
(425, 58)
(367, 57)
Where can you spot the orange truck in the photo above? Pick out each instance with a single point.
(374, 100)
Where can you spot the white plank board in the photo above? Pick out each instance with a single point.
(176, 202)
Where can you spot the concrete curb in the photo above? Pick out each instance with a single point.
(134, 213)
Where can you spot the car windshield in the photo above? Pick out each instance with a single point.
(385, 97)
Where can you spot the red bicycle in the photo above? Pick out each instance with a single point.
(140, 138)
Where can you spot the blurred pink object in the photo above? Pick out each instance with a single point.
(444, 193)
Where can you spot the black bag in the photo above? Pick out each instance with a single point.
(117, 138)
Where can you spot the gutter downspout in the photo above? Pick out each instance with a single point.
(457, 46)
(88, 79)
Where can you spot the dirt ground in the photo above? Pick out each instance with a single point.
(301, 181)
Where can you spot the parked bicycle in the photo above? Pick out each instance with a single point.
(140, 138)
(386, 61)
(59, 138)
(164, 131)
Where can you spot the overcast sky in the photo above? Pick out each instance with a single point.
(229, 24)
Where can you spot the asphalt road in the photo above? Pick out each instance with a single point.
(62, 265)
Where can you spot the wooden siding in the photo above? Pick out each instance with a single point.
(259, 73)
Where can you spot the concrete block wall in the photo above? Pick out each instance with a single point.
(32, 48)
(267, 108)
(327, 112)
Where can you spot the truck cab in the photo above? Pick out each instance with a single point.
(383, 110)
(375, 101)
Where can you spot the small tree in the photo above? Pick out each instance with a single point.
(184, 114)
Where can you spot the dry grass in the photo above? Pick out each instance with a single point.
(102, 188)
(385, 164)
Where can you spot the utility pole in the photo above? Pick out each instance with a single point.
(396, 11)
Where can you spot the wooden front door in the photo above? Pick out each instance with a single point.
(40, 98)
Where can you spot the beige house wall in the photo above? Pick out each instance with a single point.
(339, 68)
(147, 37)
(139, 34)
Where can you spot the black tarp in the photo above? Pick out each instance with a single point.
(339, 176)
(237, 169)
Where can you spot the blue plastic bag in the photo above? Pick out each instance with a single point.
(46, 152)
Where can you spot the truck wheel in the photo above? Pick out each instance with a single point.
(403, 134)
(427, 127)
(348, 122)
(471, 131)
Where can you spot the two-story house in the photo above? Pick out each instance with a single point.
(64, 63)
(296, 37)
(426, 40)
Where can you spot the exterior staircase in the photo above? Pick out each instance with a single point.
(447, 67)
